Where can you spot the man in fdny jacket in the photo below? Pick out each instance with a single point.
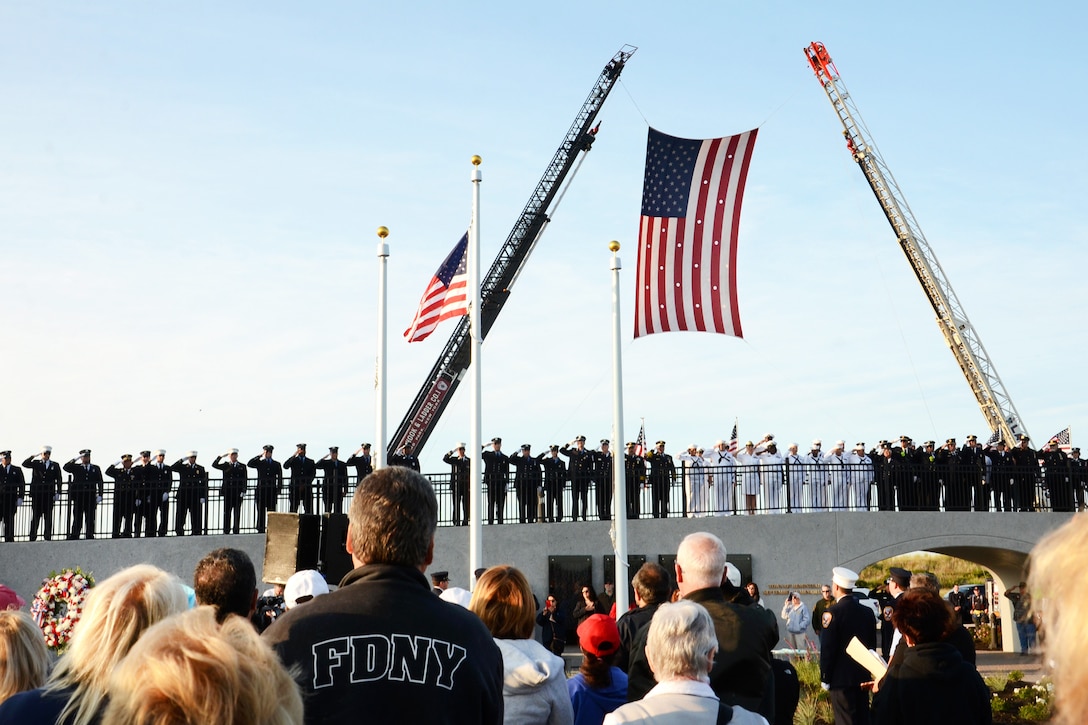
(383, 647)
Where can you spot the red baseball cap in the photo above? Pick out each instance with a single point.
(598, 635)
(9, 599)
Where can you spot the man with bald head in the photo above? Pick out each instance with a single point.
(742, 668)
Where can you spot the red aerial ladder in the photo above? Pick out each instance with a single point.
(453, 362)
(959, 333)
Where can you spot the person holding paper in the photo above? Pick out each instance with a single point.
(846, 619)
(930, 682)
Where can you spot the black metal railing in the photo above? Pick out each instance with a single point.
(691, 492)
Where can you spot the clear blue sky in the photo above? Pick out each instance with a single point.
(188, 199)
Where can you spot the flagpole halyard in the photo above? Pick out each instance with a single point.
(475, 537)
(619, 463)
(380, 374)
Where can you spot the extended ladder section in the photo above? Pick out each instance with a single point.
(959, 333)
(453, 363)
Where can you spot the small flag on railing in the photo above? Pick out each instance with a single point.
(1062, 437)
(733, 439)
(446, 295)
(640, 442)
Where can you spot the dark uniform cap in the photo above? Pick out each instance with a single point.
(268, 447)
(904, 438)
(604, 441)
(950, 440)
(126, 456)
(660, 443)
(146, 453)
(1022, 437)
(300, 445)
(334, 449)
(5, 454)
(525, 446)
(85, 452)
(554, 447)
(628, 445)
(1071, 450)
(900, 577)
(972, 438)
(496, 439)
(929, 444)
(365, 445)
(580, 438)
(440, 576)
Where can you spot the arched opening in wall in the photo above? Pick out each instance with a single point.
(974, 579)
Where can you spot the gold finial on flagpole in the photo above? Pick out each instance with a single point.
(613, 246)
(383, 232)
(476, 160)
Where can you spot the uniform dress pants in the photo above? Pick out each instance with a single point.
(41, 507)
(850, 705)
(232, 510)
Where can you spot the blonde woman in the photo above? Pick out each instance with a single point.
(190, 668)
(24, 658)
(1055, 585)
(117, 612)
(534, 688)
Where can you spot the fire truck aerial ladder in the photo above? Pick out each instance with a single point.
(454, 360)
(959, 333)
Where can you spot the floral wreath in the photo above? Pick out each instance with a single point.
(58, 605)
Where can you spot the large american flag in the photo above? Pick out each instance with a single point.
(446, 295)
(687, 255)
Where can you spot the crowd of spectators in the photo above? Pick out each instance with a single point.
(385, 644)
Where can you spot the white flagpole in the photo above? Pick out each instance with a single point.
(475, 497)
(379, 377)
(619, 467)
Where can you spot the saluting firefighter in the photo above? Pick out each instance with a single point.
(235, 482)
(581, 473)
(269, 484)
(85, 492)
(460, 473)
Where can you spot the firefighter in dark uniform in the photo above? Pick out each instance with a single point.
(269, 484)
(460, 474)
(841, 675)
(125, 480)
(334, 485)
(192, 493)
(527, 482)
(1078, 475)
(158, 479)
(1002, 467)
(905, 484)
(496, 476)
(602, 475)
(404, 457)
(555, 481)
(956, 489)
(635, 470)
(12, 490)
(140, 504)
(581, 473)
(85, 493)
(1027, 467)
(303, 472)
(887, 478)
(927, 471)
(44, 491)
(1057, 478)
(973, 463)
(363, 463)
(233, 489)
(662, 477)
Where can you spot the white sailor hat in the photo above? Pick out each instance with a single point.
(233, 450)
(845, 578)
(840, 443)
(47, 449)
(817, 443)
(190, 454)
(459, 445)
(160, 452)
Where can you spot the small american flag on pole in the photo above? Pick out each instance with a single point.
(687, 255)
(733, 439)
(446, 295)
(640, 442)
(1062, 437)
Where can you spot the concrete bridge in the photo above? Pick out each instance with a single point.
(789, 551)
